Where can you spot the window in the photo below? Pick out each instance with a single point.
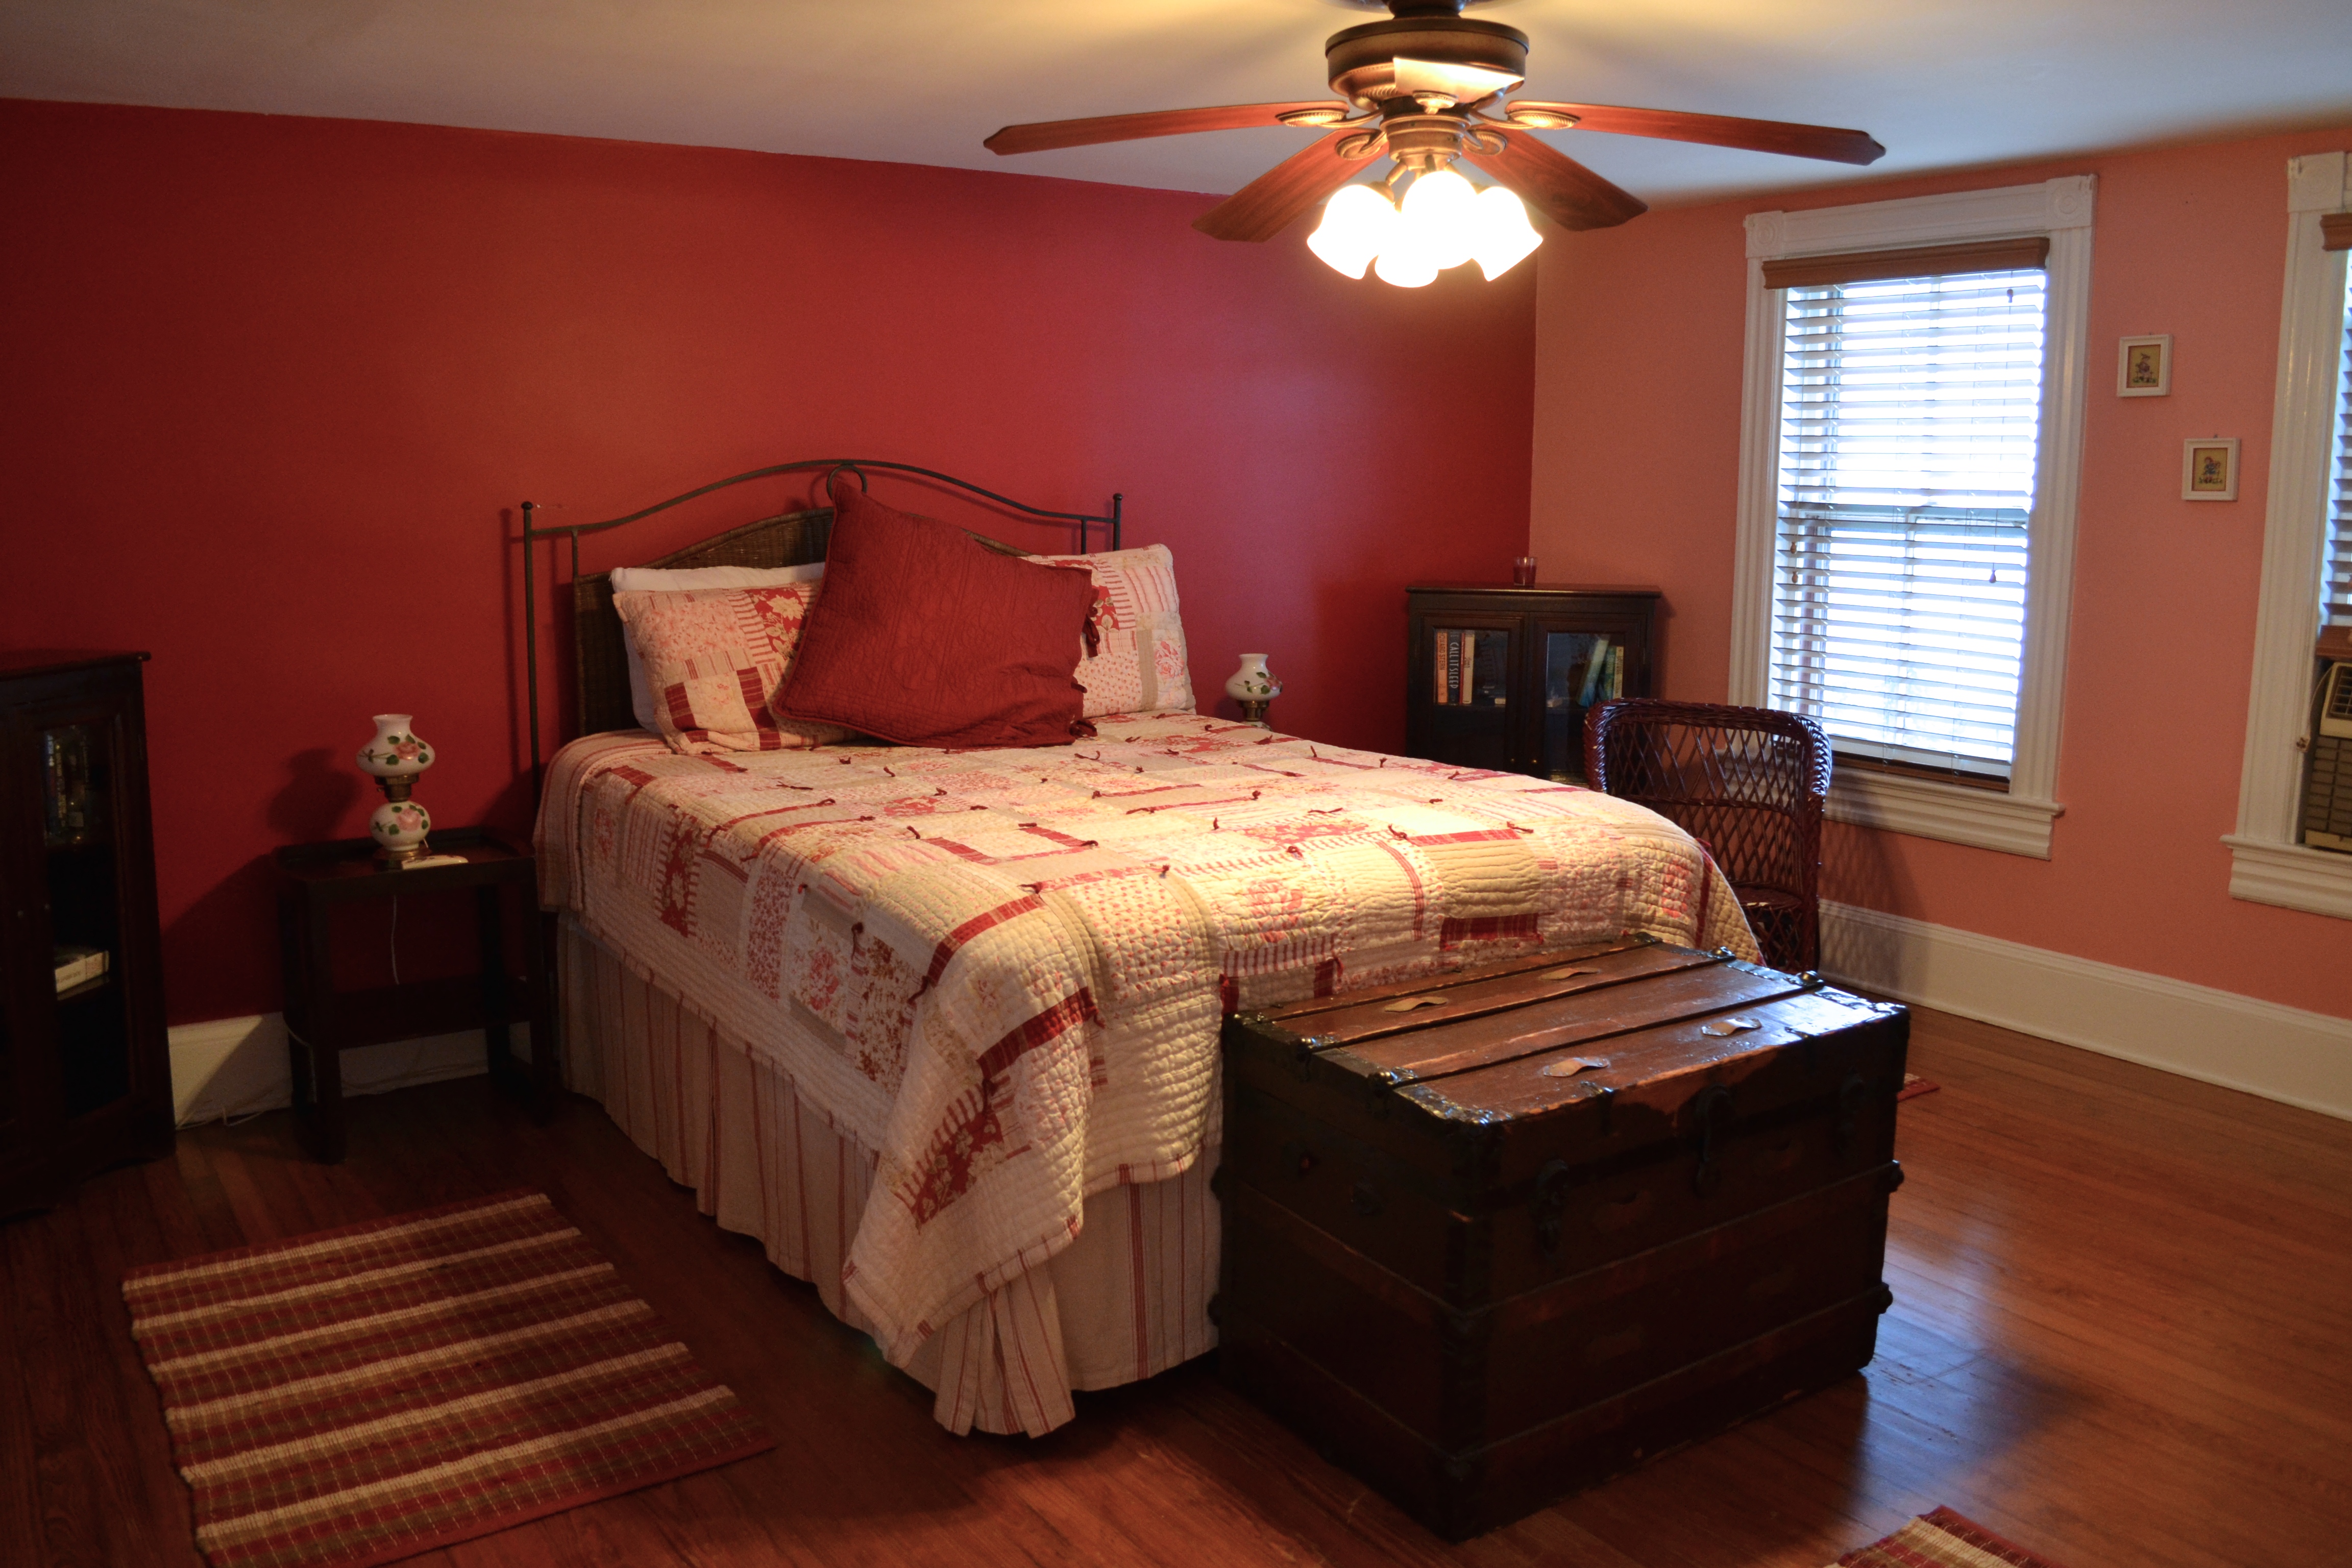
(1910, 415)
(2336, 570)
(1913, 430)
(2306, 600)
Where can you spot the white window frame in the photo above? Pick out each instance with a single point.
(2017, 822)
(2267, 865)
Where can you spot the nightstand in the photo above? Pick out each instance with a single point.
(323, 1022)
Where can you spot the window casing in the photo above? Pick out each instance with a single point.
(2302, 543)
(1936, 562)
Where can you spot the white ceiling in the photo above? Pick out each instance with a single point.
(1941, 82)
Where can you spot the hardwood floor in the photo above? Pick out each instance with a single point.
(2122, 1334)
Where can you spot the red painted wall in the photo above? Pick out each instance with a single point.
(271, 389)
(1637, 443)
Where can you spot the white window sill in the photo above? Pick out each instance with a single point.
(2294, 876)
(1957, 814)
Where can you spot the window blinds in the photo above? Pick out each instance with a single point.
(2336, 572)
(1910, 421)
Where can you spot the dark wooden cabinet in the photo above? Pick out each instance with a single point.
(1499, 677)
(85, 1073)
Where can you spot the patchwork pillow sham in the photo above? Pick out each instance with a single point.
(1138, 662)
(926, 638)
(713, 658)
(675, 579)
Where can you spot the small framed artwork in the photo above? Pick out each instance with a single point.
(2144, 367)
(2209, 469)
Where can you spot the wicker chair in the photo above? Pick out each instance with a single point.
(1747, 782)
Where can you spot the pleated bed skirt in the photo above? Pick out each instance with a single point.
(1128, 1299)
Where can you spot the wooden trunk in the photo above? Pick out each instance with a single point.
(1481, 1274)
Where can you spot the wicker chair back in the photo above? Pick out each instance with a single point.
(1747, 782)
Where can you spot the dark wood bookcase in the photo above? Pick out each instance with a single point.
(85, 1073)
(1538, 657)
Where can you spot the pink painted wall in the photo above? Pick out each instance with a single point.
(1637, 439)
(271, 389)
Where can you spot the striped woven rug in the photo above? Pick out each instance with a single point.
(370, 1393)
(1942, 1540)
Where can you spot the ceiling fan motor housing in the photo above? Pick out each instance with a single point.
(1363, 60)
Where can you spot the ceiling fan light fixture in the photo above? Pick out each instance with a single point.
(1501, 236)
(1359, 223)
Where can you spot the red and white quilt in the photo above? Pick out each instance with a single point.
(1005, 970)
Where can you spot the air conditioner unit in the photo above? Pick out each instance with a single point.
(2327, 778)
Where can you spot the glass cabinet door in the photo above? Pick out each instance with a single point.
(1470, 694)
(78, 772)
(1579, 669)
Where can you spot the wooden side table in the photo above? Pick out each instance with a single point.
(323, 1022)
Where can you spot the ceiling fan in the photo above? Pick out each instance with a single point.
(1418, 86)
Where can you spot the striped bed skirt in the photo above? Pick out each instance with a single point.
(1128, 1299)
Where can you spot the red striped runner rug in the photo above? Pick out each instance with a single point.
(370, 1393)
(1942, 1540)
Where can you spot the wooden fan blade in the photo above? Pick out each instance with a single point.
(1559, 187)
(1825, 141)
(1051, 133)
(1263, 207)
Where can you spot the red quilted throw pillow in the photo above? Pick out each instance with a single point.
(926, 638)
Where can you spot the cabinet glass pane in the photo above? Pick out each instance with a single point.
(1470, 685)
(1580, 668)
(85, 922)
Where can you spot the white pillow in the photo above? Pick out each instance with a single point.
(673, 580)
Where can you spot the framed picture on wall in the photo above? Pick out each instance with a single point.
(2209, 469)
(2144, 366)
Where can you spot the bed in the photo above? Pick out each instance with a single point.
(940, 1026)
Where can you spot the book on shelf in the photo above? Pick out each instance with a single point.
(1454, 666)
(79, 966)
(1590, 689)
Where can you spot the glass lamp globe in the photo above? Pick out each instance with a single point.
(1441, 214)
(1500, 235)
(1358, 223)
(1407, 262)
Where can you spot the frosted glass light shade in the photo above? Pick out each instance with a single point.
(1406, 262)
(1358, 224)
(1500, 235)
(1441, 215)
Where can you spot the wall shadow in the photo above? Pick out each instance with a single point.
(1857, 869)
(317, 797)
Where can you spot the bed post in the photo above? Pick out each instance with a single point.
(1117, 500)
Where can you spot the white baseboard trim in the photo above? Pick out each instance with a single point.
(236, 1067)
(2280, 1053)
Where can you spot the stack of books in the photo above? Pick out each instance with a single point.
(1453, 667)
(79, 966)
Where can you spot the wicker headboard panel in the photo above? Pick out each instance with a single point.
(600, 652)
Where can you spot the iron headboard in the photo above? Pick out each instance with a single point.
(787, 539)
